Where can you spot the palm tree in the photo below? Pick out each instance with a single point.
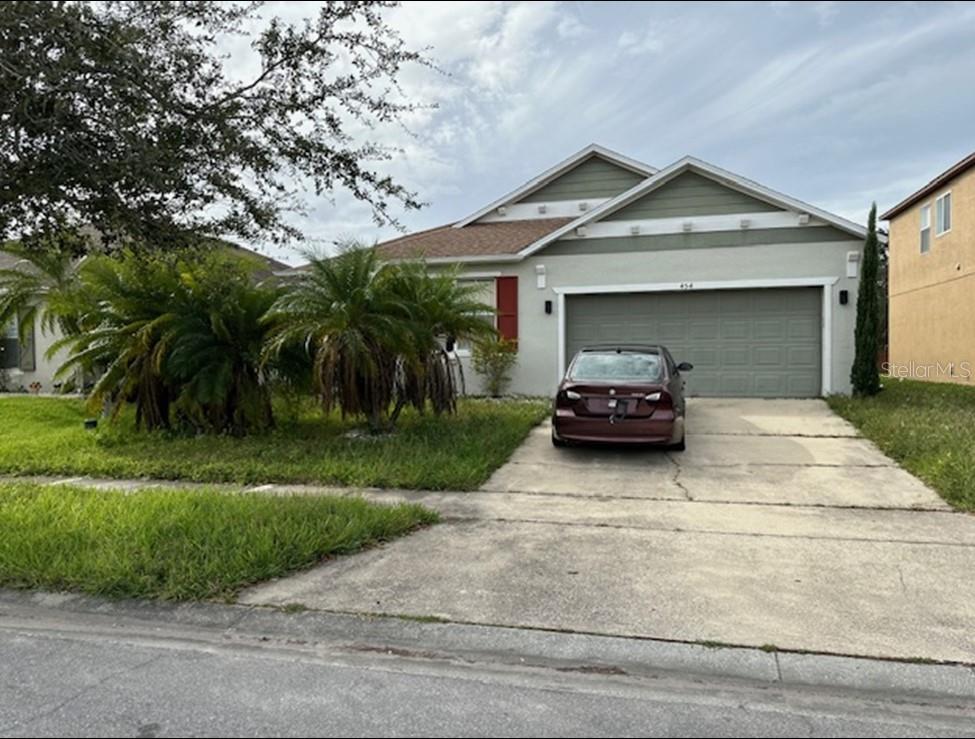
(355, 328)
(377, 332)
(38, 289)
(440, 309)
(179, 334)
(213, 350)
(125, 311)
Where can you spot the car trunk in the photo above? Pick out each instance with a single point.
(604, 400)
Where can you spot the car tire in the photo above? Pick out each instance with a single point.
(679, 446)
(557, 442)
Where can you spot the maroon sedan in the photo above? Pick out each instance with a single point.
(621, 394)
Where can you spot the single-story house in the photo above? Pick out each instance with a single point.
(24, 365)
(931, 286)
(755, 288)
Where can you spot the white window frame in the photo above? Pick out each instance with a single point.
(463, 351)
(925, 209)
(939, 202)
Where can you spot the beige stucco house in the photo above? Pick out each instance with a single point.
(932, 279)
(755, 288)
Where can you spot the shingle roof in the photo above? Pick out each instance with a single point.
(475, 239)
(949, 174)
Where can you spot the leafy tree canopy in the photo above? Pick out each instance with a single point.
(130, 117)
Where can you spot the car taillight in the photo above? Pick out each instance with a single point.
(661, 398)
(572, 395)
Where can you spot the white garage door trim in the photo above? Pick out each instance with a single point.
(826, 283)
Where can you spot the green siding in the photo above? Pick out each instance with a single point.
(690, 194)
(593, 178)
(701, 240)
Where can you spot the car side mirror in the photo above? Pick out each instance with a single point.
(685, 367)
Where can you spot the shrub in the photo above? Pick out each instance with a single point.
(493, 359)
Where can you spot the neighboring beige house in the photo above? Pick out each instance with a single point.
(755, 288)
(932, 279)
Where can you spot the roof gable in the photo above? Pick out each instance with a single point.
(549, 175)
(593, 178)
(723, 176)
(691, 194)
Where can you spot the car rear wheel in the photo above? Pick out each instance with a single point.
(556, 441)
(679, 446)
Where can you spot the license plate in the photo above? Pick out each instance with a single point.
(611, 403)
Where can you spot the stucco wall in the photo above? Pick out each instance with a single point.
(45, 368)
(538, 362)
(932, 295)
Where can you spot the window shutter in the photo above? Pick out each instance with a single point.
(506, 297)
(28, 362)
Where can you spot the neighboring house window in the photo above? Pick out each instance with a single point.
(9, 347)
(14, 353)
(925, 229)
(942, 214)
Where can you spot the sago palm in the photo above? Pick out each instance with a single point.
(125, 312)
(213, 346)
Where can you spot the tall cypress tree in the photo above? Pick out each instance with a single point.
(865, 376)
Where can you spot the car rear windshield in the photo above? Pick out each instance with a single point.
(613, 366)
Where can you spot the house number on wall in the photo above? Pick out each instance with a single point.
(687, 286)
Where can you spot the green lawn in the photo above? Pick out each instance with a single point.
(46, 436)
(929, 428)
(178, 544)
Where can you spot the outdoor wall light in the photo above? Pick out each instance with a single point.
(844, 297)
(548, 307)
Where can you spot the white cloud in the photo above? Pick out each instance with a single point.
(638, 44)
(810, 98)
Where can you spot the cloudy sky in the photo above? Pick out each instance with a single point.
(836, 103)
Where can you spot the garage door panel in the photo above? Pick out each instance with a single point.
(757, 343)
(703, 330)
(737, 356)
(768, 329)
(735, 328)
(767, 357)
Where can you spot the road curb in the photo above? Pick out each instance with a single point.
(476, 643)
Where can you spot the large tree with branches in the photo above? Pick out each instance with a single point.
(135, 118)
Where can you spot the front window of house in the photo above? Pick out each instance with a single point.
(484, 293)
(925, 229)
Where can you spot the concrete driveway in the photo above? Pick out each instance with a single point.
(778, 526)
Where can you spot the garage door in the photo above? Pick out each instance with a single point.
(747, 343)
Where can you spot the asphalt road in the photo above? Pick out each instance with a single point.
(92, 683)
